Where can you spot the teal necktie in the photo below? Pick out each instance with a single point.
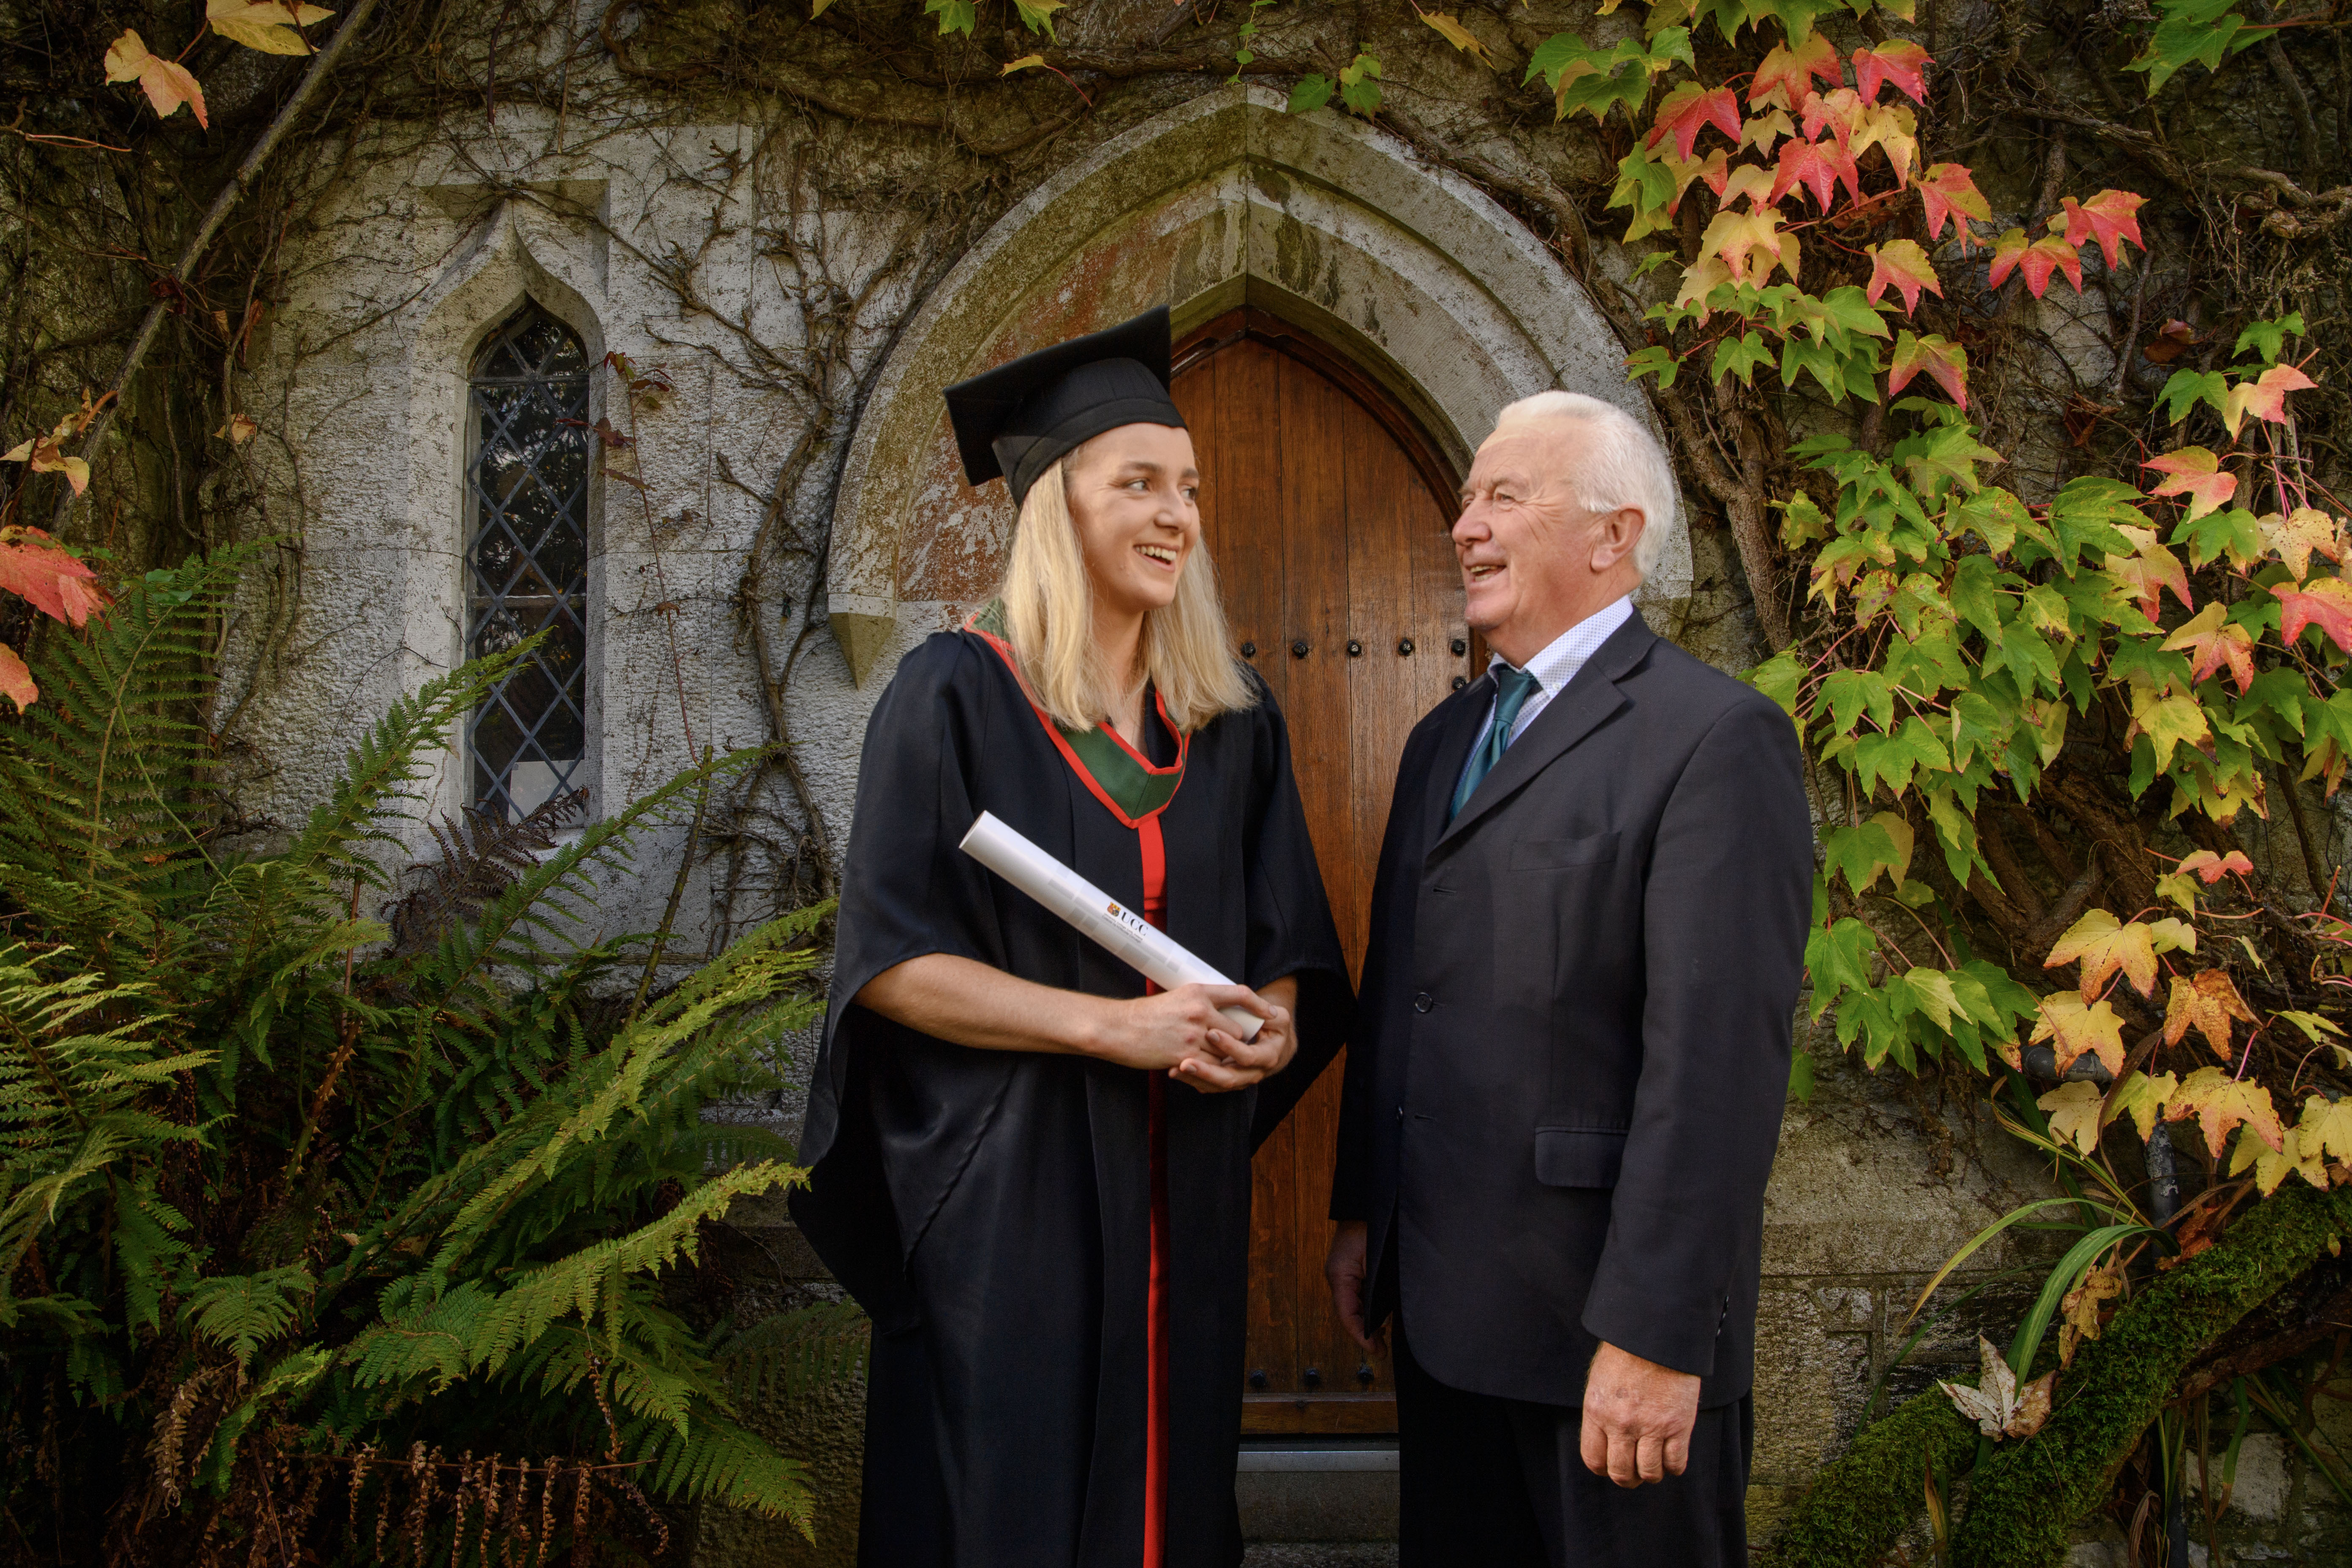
(1512, 689)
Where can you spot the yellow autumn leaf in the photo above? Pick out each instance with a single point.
(2271, 1165)
(266, 25)
(2141, 1097)
(1027, 62)
(2080, 1309)
(167, 84)
(2327, 1128)
(2205, 1002)
(2168, 721)
(2102, 946)
(2311, 1023)
(2073, 1110)
(2293, 536)
(2171, 935)
(1459, 36)
(2222, 1103)
(2073, 1028)
(1735, 239)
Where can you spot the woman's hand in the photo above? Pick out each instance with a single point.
(1177, 1032)
(1182, 1033)
(1239, 1063)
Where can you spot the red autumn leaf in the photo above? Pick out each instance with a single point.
(2214, 642)
(2168, 344)
(1948, 188)
(2046, 256)
(1840, 109)
(1945, 362)
(2264, 398)
(1818, 166)
(35, 567)
(15, 681)
(2212, 868)
(2325, 602)
(167, 84)
(1899, 61)
(2197, 474)
(1690, 109)
(2109, 216)
(2149, 573)
(1786, 75)
(1901, 262)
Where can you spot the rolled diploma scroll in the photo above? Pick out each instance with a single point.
(1119, 930)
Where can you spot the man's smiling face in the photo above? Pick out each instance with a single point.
(1534, 561)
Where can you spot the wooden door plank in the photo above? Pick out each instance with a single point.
(1232, 401)
(1321, 428)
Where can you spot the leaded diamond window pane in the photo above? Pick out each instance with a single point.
(527, 559)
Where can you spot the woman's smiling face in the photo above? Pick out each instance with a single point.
(1134, 496)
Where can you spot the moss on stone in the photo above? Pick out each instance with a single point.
(1860, 1506)
(2023, 1501)
(2025, 1497)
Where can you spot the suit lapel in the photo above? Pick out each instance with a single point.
(1453, 743)
(1588, 698)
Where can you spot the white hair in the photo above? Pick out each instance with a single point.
(1621, 467)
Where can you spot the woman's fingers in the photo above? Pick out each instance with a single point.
(1212, 1077)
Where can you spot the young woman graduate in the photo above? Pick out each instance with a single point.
(1033, 1173)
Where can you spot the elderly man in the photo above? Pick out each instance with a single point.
(1565, 1086)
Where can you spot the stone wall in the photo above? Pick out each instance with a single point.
(796, 523)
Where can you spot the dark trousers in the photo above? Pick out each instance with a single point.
(1499, 1483)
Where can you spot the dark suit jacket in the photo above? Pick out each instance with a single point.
(1571, 1051)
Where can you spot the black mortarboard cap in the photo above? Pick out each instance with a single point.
(1017, 420)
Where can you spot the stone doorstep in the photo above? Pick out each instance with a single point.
(1317, 1490)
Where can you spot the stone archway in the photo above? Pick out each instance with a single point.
(1432, 288)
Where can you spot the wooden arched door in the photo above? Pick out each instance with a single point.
(1326, 510)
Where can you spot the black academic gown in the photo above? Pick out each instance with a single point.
(991, 1210)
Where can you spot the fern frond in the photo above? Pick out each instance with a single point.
(102, 777)
(787, 1357)
(715, 1460)
(246, 1312)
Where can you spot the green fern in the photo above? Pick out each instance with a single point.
(273, 1187)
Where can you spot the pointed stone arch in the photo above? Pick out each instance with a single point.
(1414, 273)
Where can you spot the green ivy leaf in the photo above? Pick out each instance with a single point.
(955, 15)
(2199, 30)
(2266, 338)
(1780, 677)
(1853, 693)
(1037, 15)
(1838, 958)
(2188, 388)
(1360, 86)
(1660, 362)
(2232, 532)
(2085, 514)
(1311, 93)
(1739, 356)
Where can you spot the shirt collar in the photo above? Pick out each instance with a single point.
(1556, 665)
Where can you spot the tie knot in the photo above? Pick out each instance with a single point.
(1513, 686)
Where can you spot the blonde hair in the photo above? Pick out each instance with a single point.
(1186, 650)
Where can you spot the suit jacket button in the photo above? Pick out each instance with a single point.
(1423, 1003)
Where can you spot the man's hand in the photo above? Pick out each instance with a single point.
(1637, 1417)
(1344, 1268)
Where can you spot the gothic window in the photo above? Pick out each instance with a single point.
(527, 559)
